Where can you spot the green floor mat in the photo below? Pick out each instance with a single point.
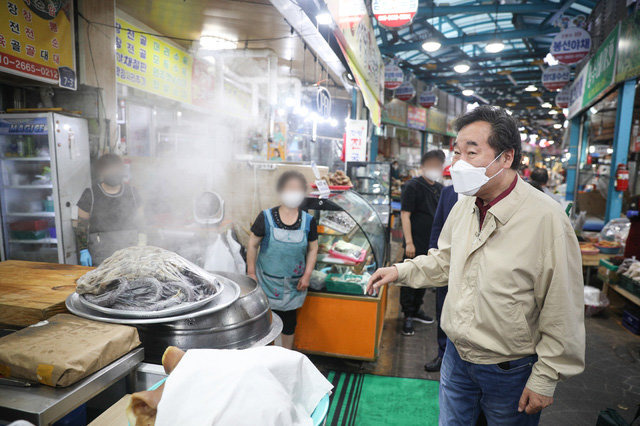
(368, 400)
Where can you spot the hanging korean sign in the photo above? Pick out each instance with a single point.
(394, 13)
(556, 77)
(571, 45)
(149, 63)
(395, 112)
(576, 92)
(601, 68)
(357, 41)
(628, 64)
(562, 98)
(37, 41)
(356, 140)
(405, 92)
(323, 102)
(427, 99)
(393, 76)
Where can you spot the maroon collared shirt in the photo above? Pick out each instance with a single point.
(484, 208)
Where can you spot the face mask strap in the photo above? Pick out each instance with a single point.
(494, 160)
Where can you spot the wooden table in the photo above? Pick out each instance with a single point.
(34, 291)
(594, 259)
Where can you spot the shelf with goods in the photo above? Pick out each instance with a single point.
(338, 319)
(26, 196)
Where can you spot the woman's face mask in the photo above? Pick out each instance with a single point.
(434, 175)
(292, 198)
(468, 179)
(113, 179)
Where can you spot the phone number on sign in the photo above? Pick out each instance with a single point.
(11, 62)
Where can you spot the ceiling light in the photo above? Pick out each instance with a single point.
(565, 111)
(495, 46)
(546, 105)
(565, 124)
(431, 45)
(557, 126)
(468, 92)
(211, 42)
(333, 122)
(531, 88)
(593, 110)
(508, 111)
(323, 19)
(521, 129)
(551, 142)
(553, 112)
(462, 67)
(592, 149)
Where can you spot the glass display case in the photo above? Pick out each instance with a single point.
(352, 242)
(372, 180)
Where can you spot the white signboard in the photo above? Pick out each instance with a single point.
(356, 141)
(405, 92)
(393, 76)
(394, 13)
(556, 77)
(563, 97)
(576, 92)
(571, 45)
(427, 99)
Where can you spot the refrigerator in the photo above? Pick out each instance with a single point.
(44, 167)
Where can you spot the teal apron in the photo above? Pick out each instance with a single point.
(282, 261)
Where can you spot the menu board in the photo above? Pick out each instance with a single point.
(150, 63)
(37, 41)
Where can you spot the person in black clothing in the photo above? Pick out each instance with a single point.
(109, 214)
(419, 201)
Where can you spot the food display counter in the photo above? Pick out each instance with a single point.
(337, 318)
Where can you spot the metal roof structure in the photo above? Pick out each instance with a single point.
(464, 28)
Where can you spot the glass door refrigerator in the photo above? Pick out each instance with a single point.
(44, 167)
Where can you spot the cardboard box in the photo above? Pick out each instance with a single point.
(64, 349)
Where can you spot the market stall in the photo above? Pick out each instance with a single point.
(337, 317)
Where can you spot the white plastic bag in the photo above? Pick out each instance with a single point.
(218, 257)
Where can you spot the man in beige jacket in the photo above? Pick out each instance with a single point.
(514, 311)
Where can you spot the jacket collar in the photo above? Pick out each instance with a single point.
(505, 208)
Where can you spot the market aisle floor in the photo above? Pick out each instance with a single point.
(611, 379)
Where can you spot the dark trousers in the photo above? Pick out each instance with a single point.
(411, 300)
(441, 293)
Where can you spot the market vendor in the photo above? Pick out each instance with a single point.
(288, 241)
(514, 311)
(109, 213)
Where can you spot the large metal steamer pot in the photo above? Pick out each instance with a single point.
(247, 322)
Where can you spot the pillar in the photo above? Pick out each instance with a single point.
(621, 137)
(572, 166)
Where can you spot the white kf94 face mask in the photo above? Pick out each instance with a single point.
(468, 179)
(434, 175)
(292, 199)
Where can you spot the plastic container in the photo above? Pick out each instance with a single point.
(337, 283)
(47, 205)
(333, 252)
(52, 232)
(608, 250)
(29, 225)
(631, 321)
(30, 235)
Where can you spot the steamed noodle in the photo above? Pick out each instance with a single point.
(145, 278)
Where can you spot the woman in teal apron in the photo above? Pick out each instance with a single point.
(288, 241)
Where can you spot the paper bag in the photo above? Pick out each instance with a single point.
(64, 349)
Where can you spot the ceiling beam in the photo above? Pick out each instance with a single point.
(549, 20)
(425, 11)
(475, 38)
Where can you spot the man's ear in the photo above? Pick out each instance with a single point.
(507, 158)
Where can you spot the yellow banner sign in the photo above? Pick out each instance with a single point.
(149, 63)
(36, 40)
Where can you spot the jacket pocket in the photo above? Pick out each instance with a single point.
(522, 334)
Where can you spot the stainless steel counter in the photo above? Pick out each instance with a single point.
(43, 405)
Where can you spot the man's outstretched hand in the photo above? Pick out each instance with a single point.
(531, 402)
(381, 277)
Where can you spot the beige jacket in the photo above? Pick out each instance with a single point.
(515, 287)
